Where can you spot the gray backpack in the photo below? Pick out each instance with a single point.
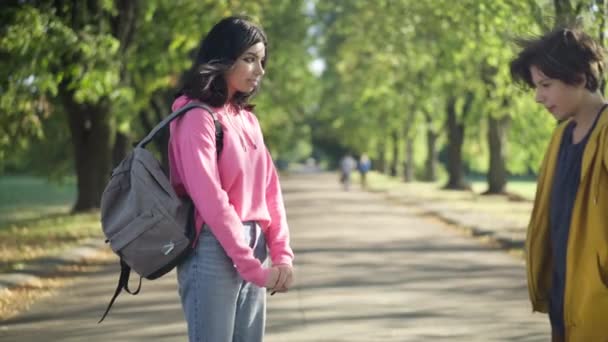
(145, 222)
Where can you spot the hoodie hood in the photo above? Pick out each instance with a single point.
(234, 119)
(179, 102)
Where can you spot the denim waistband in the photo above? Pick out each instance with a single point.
(251, 224)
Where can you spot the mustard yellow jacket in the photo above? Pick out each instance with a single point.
(586, 292)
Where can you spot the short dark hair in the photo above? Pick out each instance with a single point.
(565, 54)
(218, 51)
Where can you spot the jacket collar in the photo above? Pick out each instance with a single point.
(598, 137)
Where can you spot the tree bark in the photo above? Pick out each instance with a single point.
(432, 155)
(380, 162)
(395, 152)
(92, 134)
(149, 118)
(120, 149)
(566, 12)
(409, 174)
(497, 140)
(409, 169)
(456, 131)
(162, 109)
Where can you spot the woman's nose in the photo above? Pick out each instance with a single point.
(538, 96)
(259, 69)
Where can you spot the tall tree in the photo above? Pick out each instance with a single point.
(111, 67)
(80, 63)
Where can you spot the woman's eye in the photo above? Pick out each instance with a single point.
(249, 59)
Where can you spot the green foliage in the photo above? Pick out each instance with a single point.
(289, 92)
(391, 66)
(397, 72)
(97, 64)
(42, 51)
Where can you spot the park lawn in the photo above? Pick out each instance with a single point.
(527, 189)
(380, 182)
(35, 220)
(459, 201)
(26, 197)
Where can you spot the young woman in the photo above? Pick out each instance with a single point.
(239, 207)
(567, 243)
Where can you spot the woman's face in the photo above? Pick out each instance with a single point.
(559, 98)
(246, 73)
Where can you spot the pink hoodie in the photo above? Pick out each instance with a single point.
(242, 185)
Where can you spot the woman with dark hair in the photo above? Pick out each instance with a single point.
(567, 242)
(239, 210)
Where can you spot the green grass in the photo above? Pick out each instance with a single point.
(527, 189)
(462, 206)
(379, 182)
(25, 198)
(522, 186)
(35, 220)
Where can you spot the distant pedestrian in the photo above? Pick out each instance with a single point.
(567, 243)
(240, 215)
(347, 165)
(365, 164)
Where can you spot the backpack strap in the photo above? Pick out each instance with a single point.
(219, 134)
(123, 283)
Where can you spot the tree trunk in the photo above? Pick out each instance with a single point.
(566, 13)
(121, 148)
(395, 161)
(92, 135)
(91, 124)
(123, 28)
(408, 164)
(432, 155)
(162, 109)
(497, 140)
(380, 162)
(456, 129)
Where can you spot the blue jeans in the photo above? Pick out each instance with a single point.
(218, 304)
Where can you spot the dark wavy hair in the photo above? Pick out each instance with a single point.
(218, 51)
(566, 54)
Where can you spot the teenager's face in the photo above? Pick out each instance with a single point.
(246, 73)
(559, 98)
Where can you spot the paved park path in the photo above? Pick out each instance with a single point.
(368, 269)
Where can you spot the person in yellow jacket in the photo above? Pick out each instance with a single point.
(567, 240)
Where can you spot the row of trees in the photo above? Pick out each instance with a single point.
(81, 80)
(408, 79)
(409, 82)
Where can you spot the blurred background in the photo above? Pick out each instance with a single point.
(421, 87)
